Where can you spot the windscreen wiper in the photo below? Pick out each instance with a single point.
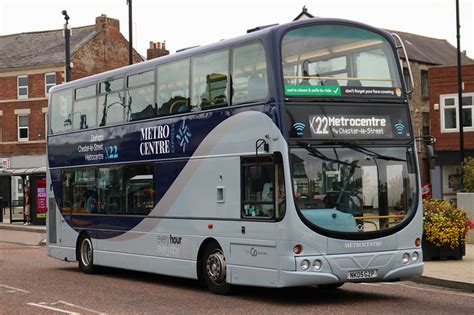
(318, 154)
(368, 152)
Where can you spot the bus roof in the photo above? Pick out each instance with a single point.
(260, 34)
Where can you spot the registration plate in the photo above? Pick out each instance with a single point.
(362, 274)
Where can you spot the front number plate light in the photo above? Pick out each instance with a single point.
(362, 274)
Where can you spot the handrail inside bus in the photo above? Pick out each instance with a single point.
(322, 52)
(393, 216)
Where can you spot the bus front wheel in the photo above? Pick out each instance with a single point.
(86, 255)
(214, 269)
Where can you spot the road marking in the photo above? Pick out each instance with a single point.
(59, 309)
(53, 308)
(12, 289)
(82, 308)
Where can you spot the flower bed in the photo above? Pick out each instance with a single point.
(444, 230)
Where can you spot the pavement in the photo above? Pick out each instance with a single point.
(453, 274)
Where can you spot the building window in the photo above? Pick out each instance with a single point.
(49, 81)
(424, 84)
(450, 112)
(426, 123)
(22, 127)
(22, 83)
(467, 109)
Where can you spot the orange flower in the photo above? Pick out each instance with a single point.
(444, 224)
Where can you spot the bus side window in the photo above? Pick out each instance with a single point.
(61, 112)
(111, 102)
(249, 74)
(173, 88)
(140, 96)
(260, 199)
(210, 75)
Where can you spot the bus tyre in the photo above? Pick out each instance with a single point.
(86, 255)
(214, 269)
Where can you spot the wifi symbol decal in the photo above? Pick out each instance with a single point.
(299, 127)
(399, 127)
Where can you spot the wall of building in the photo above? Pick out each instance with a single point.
(443, 80)
(446, 178)
(35, 106)
(418, 106)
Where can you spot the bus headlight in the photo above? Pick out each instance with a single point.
(304, 264)
(415, 257)
(317, 264)
(406, 258)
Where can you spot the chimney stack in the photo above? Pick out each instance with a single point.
(156, 50)
(103, 22)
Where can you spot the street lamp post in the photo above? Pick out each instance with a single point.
(67, 35)
(461, 127)
(130, 43)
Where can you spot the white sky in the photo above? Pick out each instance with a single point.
(188, 23)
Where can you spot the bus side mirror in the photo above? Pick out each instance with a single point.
(431, 156)
(410, 162)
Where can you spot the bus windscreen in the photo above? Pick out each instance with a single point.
(338, 60)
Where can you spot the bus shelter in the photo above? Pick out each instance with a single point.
(25, 201)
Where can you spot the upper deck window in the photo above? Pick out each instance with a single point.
(140, 96)
(61, 111)
(337, 60)
(249, 74)
(209, 80)
(173, 88)
(111, 102)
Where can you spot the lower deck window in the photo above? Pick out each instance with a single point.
(116, 190)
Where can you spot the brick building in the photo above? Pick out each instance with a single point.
(444, 117)
(425, 53)
(30, 64)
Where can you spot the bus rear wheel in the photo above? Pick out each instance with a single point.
(214, 269)
(86, 255)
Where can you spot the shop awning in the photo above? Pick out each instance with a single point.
(23, 171)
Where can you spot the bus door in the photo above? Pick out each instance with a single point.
(263, 204)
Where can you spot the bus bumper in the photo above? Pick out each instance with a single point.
(406, 272)
(302, 278)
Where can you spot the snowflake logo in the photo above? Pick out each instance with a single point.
(183, 136)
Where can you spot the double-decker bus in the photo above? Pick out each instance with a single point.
(285, 157)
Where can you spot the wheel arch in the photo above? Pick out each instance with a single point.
(81, 235)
